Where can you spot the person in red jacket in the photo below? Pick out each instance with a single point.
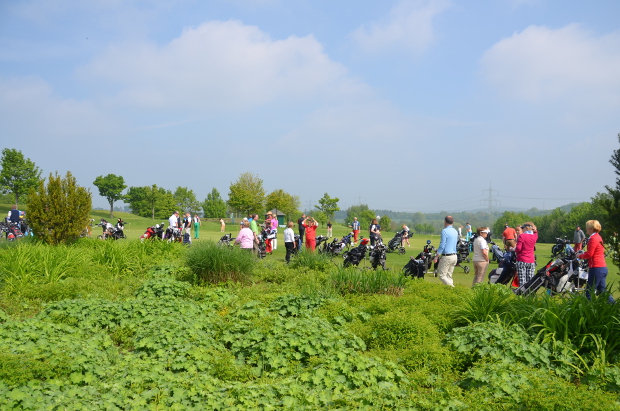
(310, 225)
(595, 254)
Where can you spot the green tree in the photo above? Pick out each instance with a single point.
(284, 202)
(328, 205)
(18, 174)
(185, 200)
(111, 187)
(150, 201)
(319, 216)
(362, 212)
(214, 206)
(247, 194)
(611, 204)
(59, 211)
(385, 223)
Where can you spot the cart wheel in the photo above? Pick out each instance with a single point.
(401, 250)
(466, 269)
(99, 237)
(345, 254)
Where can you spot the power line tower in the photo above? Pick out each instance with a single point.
(490, 200)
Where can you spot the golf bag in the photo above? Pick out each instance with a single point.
(377, 255)
(426, 256)
(561, 248)
(173, 234)
(396, 243)
(496, 252)
(226, 239)
(506, 270)
(357, 254)
(415, 268)
(13, 231)
(153, 232)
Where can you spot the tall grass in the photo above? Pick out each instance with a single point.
(211, 263)
(355, 281)
(487, 302)
(313, 261)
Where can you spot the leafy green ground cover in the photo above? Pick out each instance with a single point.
(127, 325)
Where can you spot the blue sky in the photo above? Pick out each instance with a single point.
(406, 105)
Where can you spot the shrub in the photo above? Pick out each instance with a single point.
(487, 302)
(59, 212)
(312, 261)
(511, 343)
(213, 264)
(356, 281)
(514, 386)
(162, 287)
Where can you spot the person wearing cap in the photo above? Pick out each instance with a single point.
(509, 237)
(578, 238)
(595, 254)
(481, 255)
(526, 261)
(447, 252)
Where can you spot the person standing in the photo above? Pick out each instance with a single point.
(459, 231)
(467, 231)
(329, 229)
(509, 237)
(268, 239)
(595, 254)
(274, 230)
(355, 226)
(301, 228)
(289, 241)
(446, 253)
(254, 228)
(245, 237)
(310, 226)
(481, 255)
(197, 224)
(187, 228)
(374, 231)
(222, 225)
(526, 262)
(578, 238)
(405, 236)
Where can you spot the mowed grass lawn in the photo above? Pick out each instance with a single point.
(210, 230)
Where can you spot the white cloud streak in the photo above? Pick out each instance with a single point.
(408, 26)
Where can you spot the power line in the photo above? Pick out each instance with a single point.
(490, 200)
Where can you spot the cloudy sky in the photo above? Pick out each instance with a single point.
(404, 105)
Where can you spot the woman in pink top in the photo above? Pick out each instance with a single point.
(526, 262)
(245, 237)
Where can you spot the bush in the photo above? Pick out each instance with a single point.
(59, 212)
(214, 264)
(487, 302)
(312, 261)
(162, 287)
(356, 281)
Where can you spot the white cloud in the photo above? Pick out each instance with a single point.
(568, 64)
(408, 25)
(221, 65)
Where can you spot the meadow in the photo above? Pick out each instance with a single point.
(126, 325)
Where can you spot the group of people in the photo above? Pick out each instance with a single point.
(185, 225)
(522, 240)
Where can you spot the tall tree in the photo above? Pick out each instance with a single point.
(362, 212)
(328, 205)
(59, 211)
(247, 194)
(611, 205)
(284, 202)
(214, 206)
(18, 174)
(150, 201)
(111, 187)
(185, 200)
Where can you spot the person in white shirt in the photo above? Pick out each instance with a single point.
(481, 255)
(289, 241)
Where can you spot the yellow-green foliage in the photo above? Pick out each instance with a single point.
(59, 212)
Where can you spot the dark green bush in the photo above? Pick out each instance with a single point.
(162, 287)
(312, 261)
(213, 264)
(486, 302)
(515, 386)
